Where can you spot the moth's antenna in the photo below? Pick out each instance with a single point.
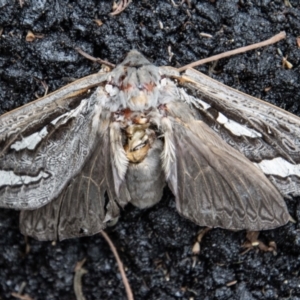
(95, 59)
(276, 38)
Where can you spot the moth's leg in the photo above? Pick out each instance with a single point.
(253, 241)
(196, 247)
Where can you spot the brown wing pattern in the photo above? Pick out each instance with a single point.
(83, 208)
(265, 134)
(217, 187)
(30, 116)
(37, 165)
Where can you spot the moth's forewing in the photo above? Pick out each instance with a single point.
(267, 135)
(44, 144)
(34, 114)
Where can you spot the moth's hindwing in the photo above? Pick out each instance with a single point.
(83, 207)
(218, 187)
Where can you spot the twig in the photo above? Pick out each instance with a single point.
(120, 7)
(120, 265)
(21, 297)
(79, 272)
(27, 247)
(270, 41)
(98, 60)
(45, 86)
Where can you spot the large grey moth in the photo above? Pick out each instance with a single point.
(72, 159)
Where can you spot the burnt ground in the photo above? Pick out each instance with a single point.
(154, 244)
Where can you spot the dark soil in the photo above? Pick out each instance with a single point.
(155, 245)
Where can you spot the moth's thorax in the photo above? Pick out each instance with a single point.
(138, 85)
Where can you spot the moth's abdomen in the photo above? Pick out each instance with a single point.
(145, 180)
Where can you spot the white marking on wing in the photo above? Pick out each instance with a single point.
(10, 178)
(192, 100)
(236, 128)
(278, 166)
(70, 114)
(58, 118)
(204, 104)
(31, 141)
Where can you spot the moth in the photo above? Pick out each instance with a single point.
(72, 159)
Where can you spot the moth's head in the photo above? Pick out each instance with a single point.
(135, 59)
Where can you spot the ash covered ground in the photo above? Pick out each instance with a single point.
(155, 245)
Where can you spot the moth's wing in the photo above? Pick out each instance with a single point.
(217, 186)
(265, 134)
(84, 206)
(33, 115)
(46, 143)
